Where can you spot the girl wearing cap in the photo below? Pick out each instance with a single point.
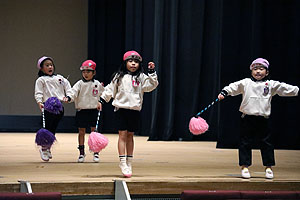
(85, 93)
(49, 85)
(127, 89)
(257, 94)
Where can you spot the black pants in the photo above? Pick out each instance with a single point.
(52, 120)
(255, 134)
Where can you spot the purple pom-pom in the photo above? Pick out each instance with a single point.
(44, 138)
(53, 105)
(97, 142)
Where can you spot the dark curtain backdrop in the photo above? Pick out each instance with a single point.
(199, 46)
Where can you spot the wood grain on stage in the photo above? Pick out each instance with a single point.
(159, 167)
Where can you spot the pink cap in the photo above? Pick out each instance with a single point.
(40, 60)
(132, 55)
(259, 62)
(89, 65)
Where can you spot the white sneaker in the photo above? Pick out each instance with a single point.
(44, 155)
(129, 164)
(129, 169)
(245, 173)
(269, 173)
(125, 170)
(81, 158)
(49, 154)
(96, 157)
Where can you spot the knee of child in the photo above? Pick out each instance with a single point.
(81, 131)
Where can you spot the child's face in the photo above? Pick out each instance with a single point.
(88, 74)
(259, 72)
(132, 65)
(48, 67)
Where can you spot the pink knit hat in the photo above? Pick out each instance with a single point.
(259, 62)
(40, 60)
(132, 55)
(89, 65)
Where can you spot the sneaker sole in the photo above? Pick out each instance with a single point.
(269, 177)
(127, 175)
(246, 177)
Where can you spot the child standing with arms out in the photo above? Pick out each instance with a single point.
(86, 93)
(257, 94)
(49, 85)
(127, 89)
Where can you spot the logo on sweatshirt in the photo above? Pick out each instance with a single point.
(266, 89)
(135, 83)
(61, 81)
(95, 91)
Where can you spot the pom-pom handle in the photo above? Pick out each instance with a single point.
(44, 137)
(207, 107)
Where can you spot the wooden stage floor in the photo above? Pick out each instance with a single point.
(159, 167)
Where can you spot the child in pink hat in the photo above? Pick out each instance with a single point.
(86, 93)
(127, 88)
(257, 94)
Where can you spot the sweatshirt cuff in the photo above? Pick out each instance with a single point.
(102, 101)
(151, 71)
(224, 93)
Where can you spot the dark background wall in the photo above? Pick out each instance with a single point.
(199, 46)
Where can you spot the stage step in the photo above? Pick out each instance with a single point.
(145, 187)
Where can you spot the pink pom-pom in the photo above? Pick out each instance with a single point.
(97, 142)
(198, 126)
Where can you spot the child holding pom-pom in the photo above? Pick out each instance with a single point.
(50, 89)
(127, 89)
(257, 94)
(86, 93)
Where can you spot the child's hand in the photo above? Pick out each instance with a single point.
(99, 106)
(41, 106)
(151, 65)
(220, 97)
(65, 99)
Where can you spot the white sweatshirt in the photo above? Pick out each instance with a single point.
(128, 93)
(257, 95)
(51, 86)
(86, 95)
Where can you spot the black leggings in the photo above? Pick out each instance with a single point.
(255, 133)
(52, 120)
